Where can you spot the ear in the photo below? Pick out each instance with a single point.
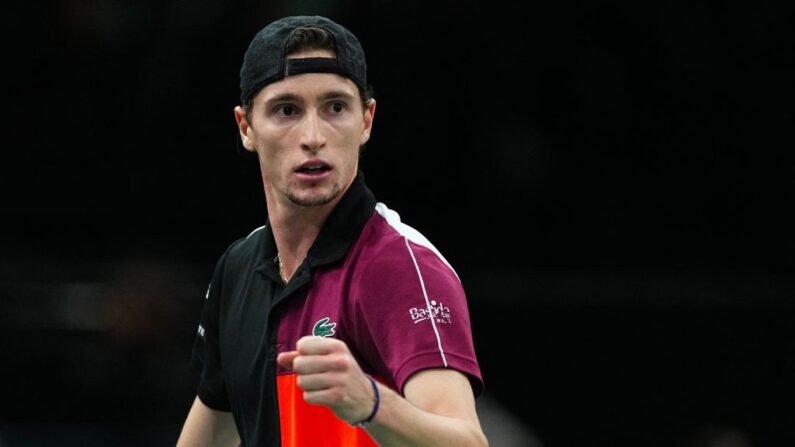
(369, 115)
(245, 129)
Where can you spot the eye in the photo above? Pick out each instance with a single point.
(337, 107)
(286, 110)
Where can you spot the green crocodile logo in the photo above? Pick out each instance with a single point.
(323, 328)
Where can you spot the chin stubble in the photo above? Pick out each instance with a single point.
(314, 201)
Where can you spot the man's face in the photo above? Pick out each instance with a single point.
(307, 130)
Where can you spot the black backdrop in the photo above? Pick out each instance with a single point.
(612, 182)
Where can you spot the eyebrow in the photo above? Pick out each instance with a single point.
(284, 97)
(291, 97)
(336, 94)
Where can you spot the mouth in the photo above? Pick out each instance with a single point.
(313, 168)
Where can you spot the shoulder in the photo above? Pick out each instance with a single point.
(390, 249)
(248, 246)
(243, 251)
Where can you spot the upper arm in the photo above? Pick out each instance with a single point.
(445, 392)
(412, 316)
(207, 427)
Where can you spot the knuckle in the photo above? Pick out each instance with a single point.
(339, 363)
(336, 396)
(301, 344)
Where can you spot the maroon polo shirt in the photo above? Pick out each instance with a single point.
(368, 280)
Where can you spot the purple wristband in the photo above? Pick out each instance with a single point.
(375, 406)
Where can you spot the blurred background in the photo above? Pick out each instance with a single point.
(612, 182)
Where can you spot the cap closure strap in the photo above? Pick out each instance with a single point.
(313, 65)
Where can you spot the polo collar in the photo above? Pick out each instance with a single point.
(343, 225)
(339, 232)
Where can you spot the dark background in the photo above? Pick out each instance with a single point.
(612, 183)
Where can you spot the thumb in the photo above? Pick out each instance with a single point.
(285, 359)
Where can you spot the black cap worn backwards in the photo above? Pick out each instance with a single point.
(266, 59)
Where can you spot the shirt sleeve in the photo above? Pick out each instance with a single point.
(413, 315)
(206, 355)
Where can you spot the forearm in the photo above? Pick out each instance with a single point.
(205, 427)
(400, 423)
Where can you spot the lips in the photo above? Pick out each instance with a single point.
(313, 167)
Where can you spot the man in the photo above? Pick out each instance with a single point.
(334, 324)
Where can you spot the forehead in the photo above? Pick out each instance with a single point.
(308, 87)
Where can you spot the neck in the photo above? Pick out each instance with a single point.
(295, 232)
(295, 228)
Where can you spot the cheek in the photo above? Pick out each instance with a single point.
(273, 147)
(271, 158)
(353, 134)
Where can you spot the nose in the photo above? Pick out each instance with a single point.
(312, 138)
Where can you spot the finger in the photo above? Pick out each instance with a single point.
(327, 396)
(313, 345)
(314, 382)
(316, 364)
(287, 359)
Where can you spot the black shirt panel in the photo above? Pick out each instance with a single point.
(206, 357)
(244, 338)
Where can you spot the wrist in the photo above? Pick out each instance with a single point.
(376, 404)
